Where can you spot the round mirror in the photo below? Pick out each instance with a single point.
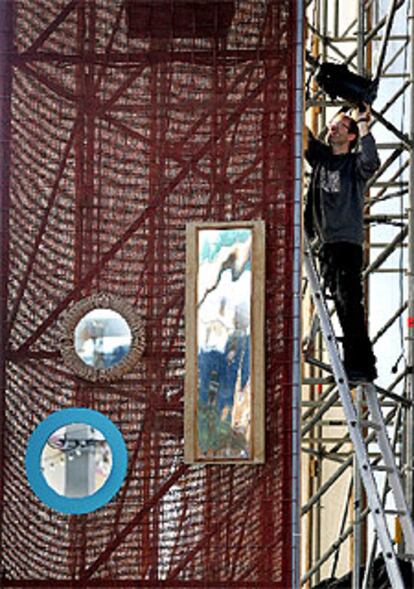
(76, 460)
(102, 338)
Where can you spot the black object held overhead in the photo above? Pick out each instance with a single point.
(336, 80)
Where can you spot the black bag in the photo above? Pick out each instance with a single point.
(336, 80)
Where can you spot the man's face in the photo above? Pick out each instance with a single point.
(338, 131)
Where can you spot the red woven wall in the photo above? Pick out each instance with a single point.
(117, 141)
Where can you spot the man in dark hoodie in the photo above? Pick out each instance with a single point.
(334, 214)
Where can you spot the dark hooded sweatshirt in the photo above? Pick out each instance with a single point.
(335, 202)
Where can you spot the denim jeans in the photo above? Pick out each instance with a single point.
(341, 265)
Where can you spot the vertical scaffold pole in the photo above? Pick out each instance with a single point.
(409, 434)
(296, 284)
(358, 491)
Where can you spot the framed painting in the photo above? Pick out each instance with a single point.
(224, 383)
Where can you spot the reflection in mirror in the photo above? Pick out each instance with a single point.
(102, 338)
(224, 289)
(76, 460)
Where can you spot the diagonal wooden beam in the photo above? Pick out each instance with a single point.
(180, 527)
(60, 90)
(42, 227)
(174, 149)
(214, 103)
(130, 527)
(52, 27)
(207, 110)
(238, 182)
(148, 213)
(251, 490)
(106, 106)
(53, 85)
(172, 153)
(145, 422)
(126, 129)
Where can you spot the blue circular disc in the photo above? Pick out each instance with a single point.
(34, 451)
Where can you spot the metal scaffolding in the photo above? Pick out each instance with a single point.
(373, 37)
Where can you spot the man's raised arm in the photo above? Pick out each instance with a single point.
(315, 150)
(367, 160)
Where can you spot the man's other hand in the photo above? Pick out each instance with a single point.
(362, 117)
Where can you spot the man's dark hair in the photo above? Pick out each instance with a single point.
(353, 129)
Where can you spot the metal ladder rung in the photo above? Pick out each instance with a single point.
(383, 468)
(371, 424)
(395, 512)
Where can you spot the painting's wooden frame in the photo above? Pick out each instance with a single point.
(257, 344)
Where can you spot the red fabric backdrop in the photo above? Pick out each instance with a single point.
(120, 136)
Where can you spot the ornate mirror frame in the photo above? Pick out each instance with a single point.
(70, 320)
(242, 352)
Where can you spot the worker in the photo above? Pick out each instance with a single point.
(334, 218)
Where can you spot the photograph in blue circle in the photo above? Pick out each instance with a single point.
(76, 460)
